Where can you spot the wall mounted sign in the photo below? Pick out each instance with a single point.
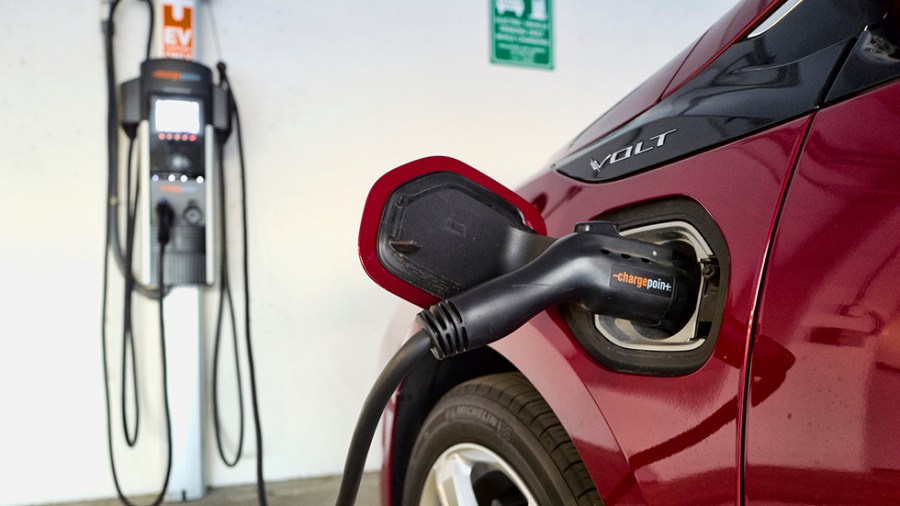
(522, 33)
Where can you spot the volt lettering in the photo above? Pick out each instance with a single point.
(639, 148)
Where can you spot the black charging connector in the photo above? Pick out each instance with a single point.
(166, 220)
(223, 105)
(594, 267)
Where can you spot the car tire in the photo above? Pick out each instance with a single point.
(494, 441)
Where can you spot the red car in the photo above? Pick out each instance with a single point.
(766, 159)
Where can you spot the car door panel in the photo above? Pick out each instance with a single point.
(828, 432)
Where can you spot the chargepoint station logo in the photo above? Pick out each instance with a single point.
(635, 279)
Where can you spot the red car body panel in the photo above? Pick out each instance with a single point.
(676, 438)
(694, 58)
(729, 29)
(831, 299)
(642, 98)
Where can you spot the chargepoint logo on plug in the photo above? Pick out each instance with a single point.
(634, 279)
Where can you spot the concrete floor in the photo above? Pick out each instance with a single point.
(312, 491)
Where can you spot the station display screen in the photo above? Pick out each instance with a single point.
(176, 116)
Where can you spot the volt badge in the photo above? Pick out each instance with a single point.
(638, 148)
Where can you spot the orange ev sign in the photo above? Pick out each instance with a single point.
(178, 32)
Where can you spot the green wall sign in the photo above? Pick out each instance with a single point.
(522, 33)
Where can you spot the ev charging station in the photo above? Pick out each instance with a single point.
(172, 105)
(177, 121)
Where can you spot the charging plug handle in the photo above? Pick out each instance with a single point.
(165, 215)
(594, 268)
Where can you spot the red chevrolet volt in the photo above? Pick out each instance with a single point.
(731, 337)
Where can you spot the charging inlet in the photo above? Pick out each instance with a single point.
(629, 345)
(636, 336)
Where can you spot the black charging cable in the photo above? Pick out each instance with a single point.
(107, 27)
(166, 218)
(415, 349)
(225, 297)
(225, 294)
(127, 325)
(124, 261)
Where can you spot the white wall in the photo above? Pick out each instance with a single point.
(332, 94)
